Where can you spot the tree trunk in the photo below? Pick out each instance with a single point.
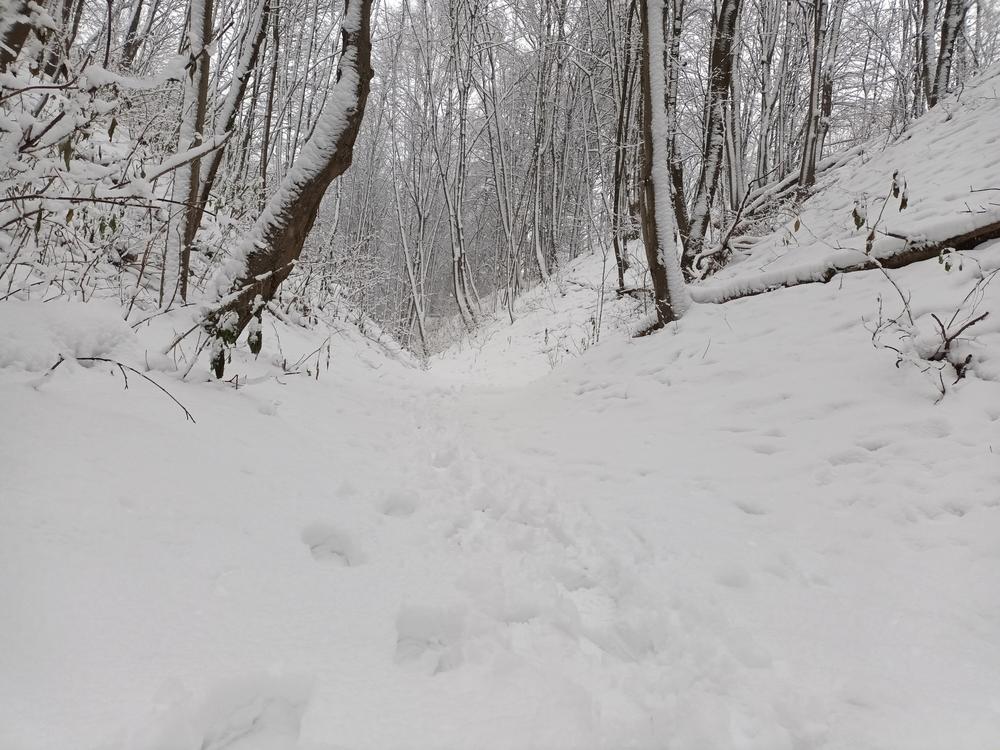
(670, 295)
(187, 178)
(14, 29)
(266, 257)
(132, 39)
(675, 164)
(719, 86)
(951, 24)
(810, 140)
(256, 31)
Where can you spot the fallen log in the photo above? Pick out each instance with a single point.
(844, 261)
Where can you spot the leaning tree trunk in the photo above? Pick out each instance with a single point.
(266, 257)
(719, 86)
(670, 296)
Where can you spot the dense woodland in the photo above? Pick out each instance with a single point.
(417, 164)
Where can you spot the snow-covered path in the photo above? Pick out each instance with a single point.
(752, 532)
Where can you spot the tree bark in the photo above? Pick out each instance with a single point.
(256, 31)
(719, 86)
(951, 24)
(670, 296)
(676, 166)
(187, 178)
(267, 256)
(810, 139)
(14, 30)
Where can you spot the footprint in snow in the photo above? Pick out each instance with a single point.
(332, 546)
(444, 457)
(733, 577)
(750, 507)
(429, 639)
(241, 714)
(849, 456)
(399, 503)
(872, 444)
(765, 449)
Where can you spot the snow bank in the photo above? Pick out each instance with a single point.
(34, 334)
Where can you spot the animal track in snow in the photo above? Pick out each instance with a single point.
(873, 444)
(330, 545)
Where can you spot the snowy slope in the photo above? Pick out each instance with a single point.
(946, 166)
(750, 531)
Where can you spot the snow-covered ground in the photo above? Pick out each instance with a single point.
(750, 531)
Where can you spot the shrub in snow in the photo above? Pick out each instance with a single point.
(939, 345)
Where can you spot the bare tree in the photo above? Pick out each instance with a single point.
(951, 26)
(187, 178)
(719, 88)
(670, 296)
(252, 277)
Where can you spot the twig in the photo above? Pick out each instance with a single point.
(123, 367)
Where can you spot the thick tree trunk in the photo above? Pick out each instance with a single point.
(670, 296)
(264, 260)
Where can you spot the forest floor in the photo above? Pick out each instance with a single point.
(752, 530)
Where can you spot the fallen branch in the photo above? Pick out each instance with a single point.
(638, 292)
(125, 369)
(912, 252)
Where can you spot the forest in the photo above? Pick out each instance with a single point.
(173, 153)
(499, 374)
